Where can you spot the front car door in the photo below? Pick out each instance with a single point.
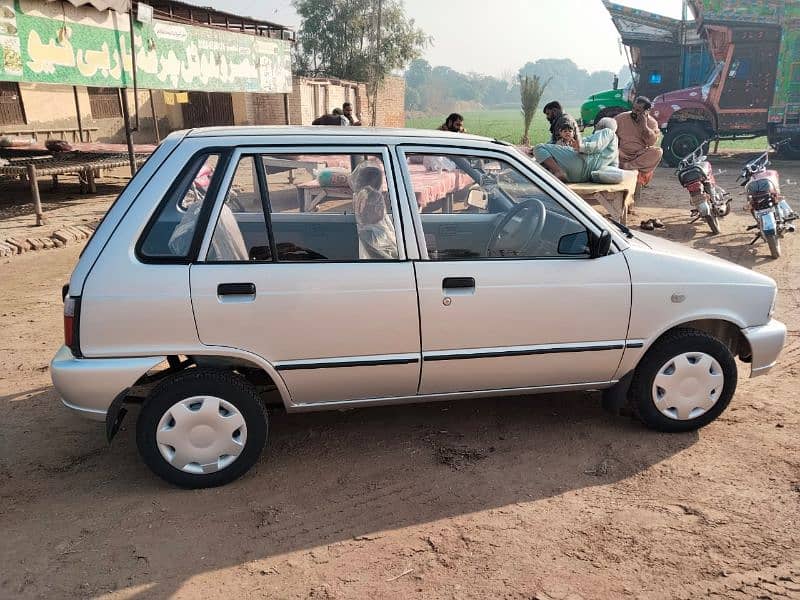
(509, 297)
(321, 287)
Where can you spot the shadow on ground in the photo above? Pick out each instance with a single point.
(323, 478)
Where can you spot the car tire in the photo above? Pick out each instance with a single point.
(790, 150)
(680, 139)
(187, 429)
(610, 111)
(683, 382)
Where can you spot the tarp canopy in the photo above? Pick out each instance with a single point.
(121, 6)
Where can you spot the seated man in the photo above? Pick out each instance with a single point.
(453, 123)
(638, 134)
(335, 118)
(575, 163)
(557, 119)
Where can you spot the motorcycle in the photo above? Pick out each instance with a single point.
(772, 213)
(709, 201)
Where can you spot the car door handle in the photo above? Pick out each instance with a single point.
(236, 289)
(458, 283)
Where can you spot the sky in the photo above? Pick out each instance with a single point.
(496, 37)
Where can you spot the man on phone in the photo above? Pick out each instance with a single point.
(638, 133)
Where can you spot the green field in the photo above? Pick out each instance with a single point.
(506, 124)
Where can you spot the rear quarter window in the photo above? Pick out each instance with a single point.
(170, 233)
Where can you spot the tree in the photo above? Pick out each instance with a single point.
(419, 72)
(339, 38)
(570, 84)
(530, 91)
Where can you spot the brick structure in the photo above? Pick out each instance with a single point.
(311, 98)
(53, 106)
(391, 103)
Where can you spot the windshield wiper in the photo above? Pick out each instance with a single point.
(628, 233)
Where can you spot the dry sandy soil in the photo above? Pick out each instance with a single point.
(544, 497)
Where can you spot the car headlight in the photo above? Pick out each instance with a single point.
(774, 301)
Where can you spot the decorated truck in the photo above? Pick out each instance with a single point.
(663, 54)
(754, 89)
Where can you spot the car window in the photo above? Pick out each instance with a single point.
(482, 207)
(330, 207)
(240, 233)
(170, 233)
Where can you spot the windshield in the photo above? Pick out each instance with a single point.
(714, 74)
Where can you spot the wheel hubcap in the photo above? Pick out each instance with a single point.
(688, 385)
(201, 434)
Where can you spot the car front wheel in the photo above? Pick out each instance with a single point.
(684, 381)
(201, 428)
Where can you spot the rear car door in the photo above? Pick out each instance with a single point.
(509, 295)
(305, 266)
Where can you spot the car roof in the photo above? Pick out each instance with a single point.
(332, 131)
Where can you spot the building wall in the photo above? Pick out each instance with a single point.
(53, 107)
(311, 98)
(391, 103)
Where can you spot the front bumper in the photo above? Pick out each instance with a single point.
(766, 343)
(88, 386)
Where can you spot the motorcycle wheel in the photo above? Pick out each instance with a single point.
(726, 209)
(713, 223)
(774, 244)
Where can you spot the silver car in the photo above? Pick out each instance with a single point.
(351, 267)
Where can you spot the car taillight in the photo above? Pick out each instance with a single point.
(71, 318)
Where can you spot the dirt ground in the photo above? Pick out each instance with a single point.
(544, 497)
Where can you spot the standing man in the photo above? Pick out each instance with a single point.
(347, 109)
(638, 134)
(557, 117)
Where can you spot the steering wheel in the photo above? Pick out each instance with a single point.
(530, 226)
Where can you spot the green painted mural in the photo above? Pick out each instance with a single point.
(38, 47)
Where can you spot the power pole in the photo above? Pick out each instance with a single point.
(376, 71)
(682, 67)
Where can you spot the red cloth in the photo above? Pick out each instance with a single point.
(429, 186)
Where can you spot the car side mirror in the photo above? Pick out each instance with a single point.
(478, 198)
(600, 245)
(574, 244)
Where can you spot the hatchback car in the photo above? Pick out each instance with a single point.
(351, 267)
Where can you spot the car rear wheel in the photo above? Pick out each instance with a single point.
(684, 382)
(201, 428)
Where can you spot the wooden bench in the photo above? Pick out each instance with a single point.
(616, 198)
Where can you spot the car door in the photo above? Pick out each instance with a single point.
(327, 296)
(509, 301)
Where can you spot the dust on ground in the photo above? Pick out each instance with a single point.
(544, 497)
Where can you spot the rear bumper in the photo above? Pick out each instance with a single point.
(88, 386)
(766, 343)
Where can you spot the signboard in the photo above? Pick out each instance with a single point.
(175, 56)
(40, 44)
(144, 13)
